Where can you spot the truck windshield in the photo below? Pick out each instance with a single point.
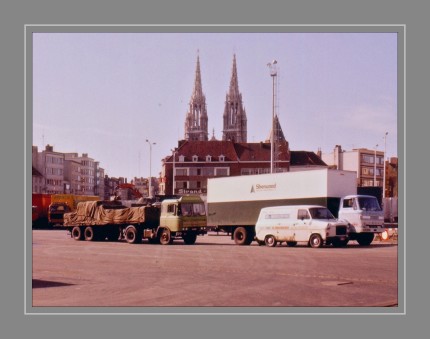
(193, 209)
(368, 204)
(320, 213)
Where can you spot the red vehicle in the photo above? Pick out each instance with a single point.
(40, 204)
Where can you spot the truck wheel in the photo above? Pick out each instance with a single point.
(165, 237)
(315, 241)
(291, 243)
(77, 233)
(190, 238)
(365, 239)
(133, 235)
(240, 236)
(90, 234)
(270, 241)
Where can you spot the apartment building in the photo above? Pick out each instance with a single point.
(368, 164)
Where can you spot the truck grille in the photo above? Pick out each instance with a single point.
(341, 230)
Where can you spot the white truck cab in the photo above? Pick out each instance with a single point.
(364, 215)
(312, 224)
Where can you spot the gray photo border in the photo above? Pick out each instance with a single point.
(401, 123)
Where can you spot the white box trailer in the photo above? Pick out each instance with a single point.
(234, 203)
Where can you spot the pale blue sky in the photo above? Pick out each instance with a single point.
(105, 93)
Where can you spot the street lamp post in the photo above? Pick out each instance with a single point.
(273, 73)
(374, 169)
(173, 172)
(150, 165)
(385, 151)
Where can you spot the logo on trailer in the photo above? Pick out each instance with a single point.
(260, 188)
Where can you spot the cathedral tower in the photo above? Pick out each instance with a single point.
(235, 122)
(196, 121)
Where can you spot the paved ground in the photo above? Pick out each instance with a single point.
(212, 273)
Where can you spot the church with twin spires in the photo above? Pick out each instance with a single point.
(198, 157)
(234, 117)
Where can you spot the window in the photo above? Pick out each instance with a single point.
(221, 172)
(221, 158)
(181, 158)
(195, 158)
(208, 158)
(181, 171)
(303, 214)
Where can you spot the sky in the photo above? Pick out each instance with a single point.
(105, 94)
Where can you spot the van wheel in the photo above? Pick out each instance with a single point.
(315, 241)
(270, 241)
(291, 243)
(77, 233)
(240, 236)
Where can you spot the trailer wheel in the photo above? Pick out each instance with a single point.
(365, 239)
(165, 237)
(190, 238)
(240, 236)
(90, 234)
(77, 233)
(291, 243)
(133, 235)
(315, 241)
(270, 241)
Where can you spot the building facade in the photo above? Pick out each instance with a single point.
(368, 164)
(63, 173)
(187, 170)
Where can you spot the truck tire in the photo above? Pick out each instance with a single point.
(90, 234)
(190, 238)
(133, 235)
(270, 241)
(315, 241)
(365, 239)
(77, 233)
(165, 237)
(339, 243)
(240, 236)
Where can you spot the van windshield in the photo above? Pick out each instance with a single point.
(193, 209)
(320, 213)
(368, 204)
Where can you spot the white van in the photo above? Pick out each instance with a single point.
(312, 224)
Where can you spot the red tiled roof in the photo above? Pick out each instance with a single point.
(303, 158)
(230, 150)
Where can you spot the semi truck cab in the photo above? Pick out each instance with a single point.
(364, 215)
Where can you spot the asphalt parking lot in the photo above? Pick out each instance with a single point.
(212, 273)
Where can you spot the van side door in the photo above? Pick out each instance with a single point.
(301, 226)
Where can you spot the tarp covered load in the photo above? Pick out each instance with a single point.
(98, 213)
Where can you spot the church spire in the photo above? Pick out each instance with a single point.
(196, 121)
(235, 121)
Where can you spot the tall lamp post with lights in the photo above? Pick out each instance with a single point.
(385, 152)
(273, 74)
(150, 166)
